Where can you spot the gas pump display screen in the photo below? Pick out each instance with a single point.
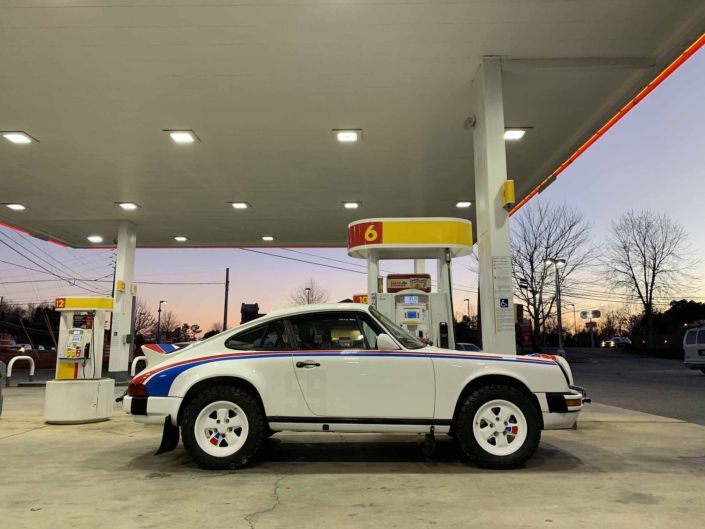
(75, 332)
(412, 315)
(411, 299)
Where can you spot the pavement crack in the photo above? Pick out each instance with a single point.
(277, 501)
(22, 433)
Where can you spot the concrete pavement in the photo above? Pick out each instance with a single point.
(636, 382)
(620, 468)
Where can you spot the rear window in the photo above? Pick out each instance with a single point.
(690, 337)
(701, 337)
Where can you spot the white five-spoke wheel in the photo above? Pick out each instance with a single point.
(221, 428)
(500, 427)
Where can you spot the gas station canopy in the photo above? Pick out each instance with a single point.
(263, 87)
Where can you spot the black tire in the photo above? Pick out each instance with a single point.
(255, 419)
(466, 437)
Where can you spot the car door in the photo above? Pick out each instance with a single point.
(271, 345)
(342, 374)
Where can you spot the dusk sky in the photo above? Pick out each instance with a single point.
(652, 158)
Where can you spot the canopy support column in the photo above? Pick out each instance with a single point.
(118, 367)
(497, 302)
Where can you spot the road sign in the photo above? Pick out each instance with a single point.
(590, 325)
(589, 314)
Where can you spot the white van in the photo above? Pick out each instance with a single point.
(694, 346)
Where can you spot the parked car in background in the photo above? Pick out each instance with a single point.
(471, 347)
(694, 347)
(617, 342)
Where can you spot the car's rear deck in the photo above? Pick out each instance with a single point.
(620, 468)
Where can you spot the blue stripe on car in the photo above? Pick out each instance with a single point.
(160, 384)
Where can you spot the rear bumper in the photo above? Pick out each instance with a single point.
(695, 363)
(152, 410)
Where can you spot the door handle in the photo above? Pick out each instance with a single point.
(307, 364)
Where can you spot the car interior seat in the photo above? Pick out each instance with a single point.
(307, 336)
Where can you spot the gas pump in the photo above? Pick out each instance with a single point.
(81, 337)
(79, 394)
(409, 300)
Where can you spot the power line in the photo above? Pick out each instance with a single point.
(303, 261)
(43, 268)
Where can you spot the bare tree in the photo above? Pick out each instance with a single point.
(647, 256)
(145, 322)
(316, 293)
(614, 321)
(217, 326)
(540, 231)
(169, 323)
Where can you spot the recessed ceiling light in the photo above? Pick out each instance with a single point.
(17, 137)
(16, 207)
(267, 238)
(182, 136)
(463, 204)
(241, 205)
(127, 205)
(347, 136)
(352, 205)
(95, 238)
(180, 238)
(514, 134)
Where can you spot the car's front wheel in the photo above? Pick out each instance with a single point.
(498, 427)
(223, 427)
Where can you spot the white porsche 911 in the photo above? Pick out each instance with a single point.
(348, 368)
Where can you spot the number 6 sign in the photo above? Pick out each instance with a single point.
(365, 233)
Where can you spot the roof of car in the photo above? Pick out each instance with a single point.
(302, 309)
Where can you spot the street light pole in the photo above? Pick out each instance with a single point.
(575, 321)
(558, 263)
(159, 321)
(308, 295)
(468, 302)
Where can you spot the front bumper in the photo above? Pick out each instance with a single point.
(560, 410)
(152, 410)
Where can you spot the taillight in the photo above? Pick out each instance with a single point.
(137, 390)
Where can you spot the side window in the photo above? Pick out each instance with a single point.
(371, 333)
(330, 331)
(701, 337)
(264, 338)
(690, 337)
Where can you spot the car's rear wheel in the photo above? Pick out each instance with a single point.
(223, 427)
(498, 427)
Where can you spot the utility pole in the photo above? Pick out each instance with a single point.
(308, 295)
(227, 289)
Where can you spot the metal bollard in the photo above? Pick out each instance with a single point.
(2, 382)
(8, 376)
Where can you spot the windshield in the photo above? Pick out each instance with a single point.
(400, 334)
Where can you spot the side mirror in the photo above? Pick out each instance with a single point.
(385, 343)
